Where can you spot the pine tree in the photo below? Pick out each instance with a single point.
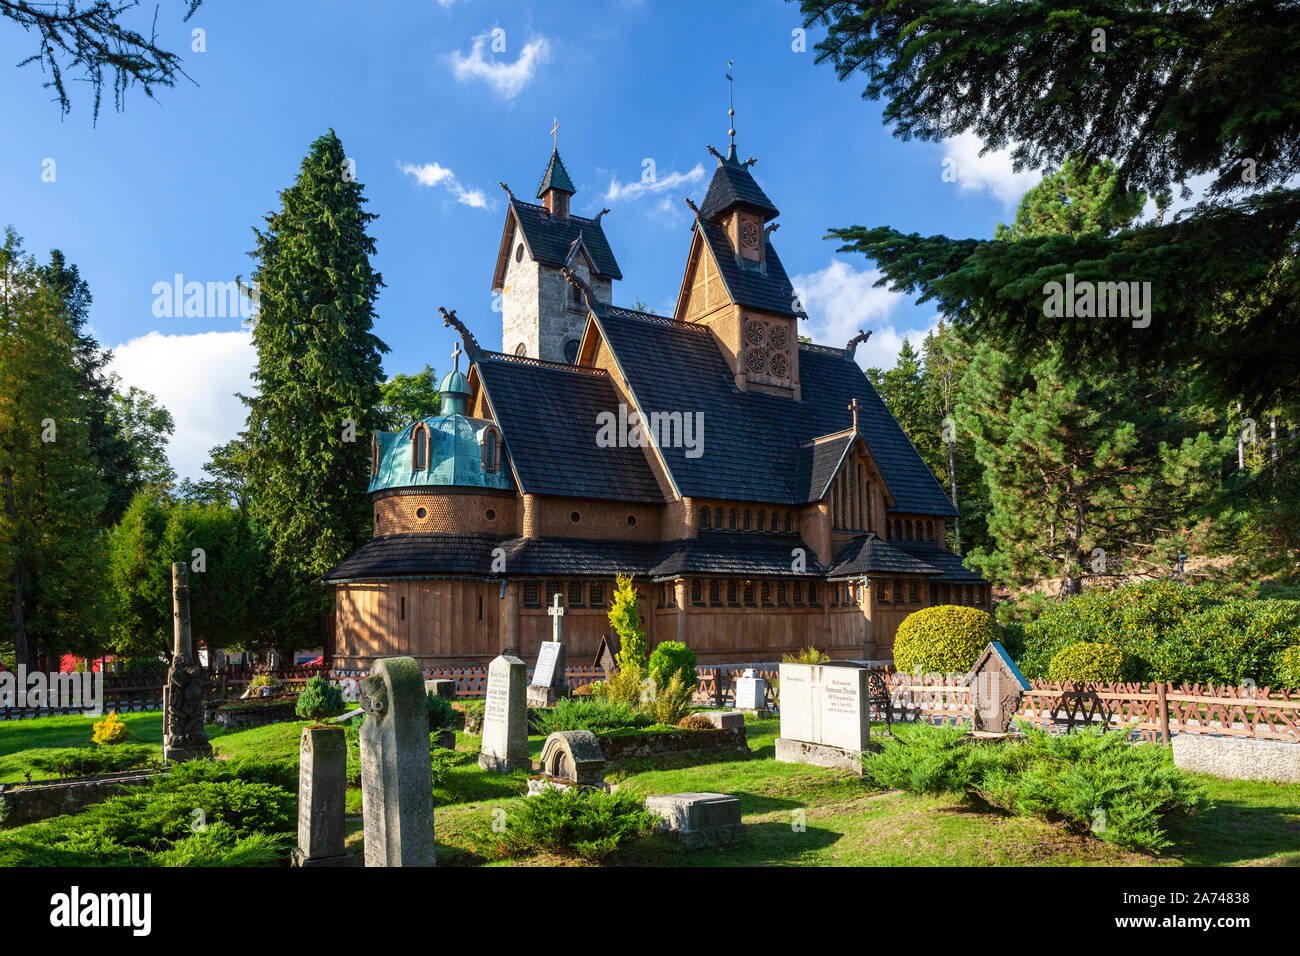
(51, 548)
(318, 368)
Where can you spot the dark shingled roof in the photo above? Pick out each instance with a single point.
(548, 417)
(715, 552)
(549, 240)
(563, 556)
(401, 555)
(818, 462)
(732, 185)
(868, 554)
(948, 564)
(556, 176)
(766, 288)
(752, 447)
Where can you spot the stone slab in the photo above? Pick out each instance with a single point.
(826, 704)
(441, 687)
(724, 719)
(699, 819)
(751, 692)
(549, 671)
(505, 717)
(1238, 758)
(818, 755)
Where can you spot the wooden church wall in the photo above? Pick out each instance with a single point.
(423, 619)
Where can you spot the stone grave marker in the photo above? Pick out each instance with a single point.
(505, 717)
(184, 736)
(751, 691)
(699, 819)
(825, 719)
(996, 689)
(322, 789)
(549, 682)
(396, 773)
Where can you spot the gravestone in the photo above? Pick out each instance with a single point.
(184, 737)
(505, 717)
(825, 720)
(396, 773)
(441, 687)
(607, 654)
(751, 691)
(996, 689)
(699, 819)
(549, 682)
(322, 789)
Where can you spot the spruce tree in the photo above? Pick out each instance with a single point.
(318, 368)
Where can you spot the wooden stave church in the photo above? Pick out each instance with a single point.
(806, 519)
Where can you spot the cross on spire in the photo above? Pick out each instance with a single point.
(731, 105)
(455, 358)
(555, 130)
(855, 406)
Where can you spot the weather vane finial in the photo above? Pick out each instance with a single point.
(555, 133)
(731, 104)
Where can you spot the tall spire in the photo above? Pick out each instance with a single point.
(731, 109)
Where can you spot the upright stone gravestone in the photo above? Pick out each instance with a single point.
(396, 774)
(825, 719)
(184, 737)
(505, 717)
(322, 791)
(549, 676)
(996, 689)
(751, 691)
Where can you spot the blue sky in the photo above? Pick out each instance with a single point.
(434, 117)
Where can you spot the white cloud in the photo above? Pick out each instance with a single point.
(508, 79)
(658, 184)
(840, 300)
(432, 174)
(195, 377)
(991, 172)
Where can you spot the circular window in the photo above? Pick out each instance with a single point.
(631, 520)
(490, 515)
(575, 517)
(519, 253)
(421, 513)
(571, 351)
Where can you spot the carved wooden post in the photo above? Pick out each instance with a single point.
(1162, 691)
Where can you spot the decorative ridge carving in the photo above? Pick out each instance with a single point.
(471, 344)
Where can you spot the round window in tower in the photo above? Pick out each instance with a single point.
(422, 513)
(575, 517)
(631, 520)
(490, 515)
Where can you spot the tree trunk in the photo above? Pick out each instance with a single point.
(24, 652)
(952, 483)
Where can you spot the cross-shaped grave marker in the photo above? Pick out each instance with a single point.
(556, 610)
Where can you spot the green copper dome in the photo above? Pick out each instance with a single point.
(454, 392)
(453, 450)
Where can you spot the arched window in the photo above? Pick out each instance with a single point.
(419, 448)
(929, 531)
(788, 522)
(491, 454)
(762, 521)
(717, 518)
(908, 526)
(746, 519)
(731, 520)
(704, 518)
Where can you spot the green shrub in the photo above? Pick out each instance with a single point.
(625, 619)
(945, 638)
(626, 685)
(264, 680)
(672, 657)
(597, 714)
(1089, 780)
(1287, 667)
(1086, 661)
(442, 716)
(111, 731)
(809, 655)
(319, 699)
(473, 711)
(83, 761)
(671, 702)
(589, 824)
(1170, 632)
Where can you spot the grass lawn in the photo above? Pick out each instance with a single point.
(845, 822)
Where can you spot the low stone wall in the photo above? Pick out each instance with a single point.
(659, 743)
(242, 715)
(24, 803)
(1238, 757)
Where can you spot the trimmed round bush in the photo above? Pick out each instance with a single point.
(1288, 667)
(695, 722)
(946, 638)
(673, 657)
(1087, 661)
(319, 699)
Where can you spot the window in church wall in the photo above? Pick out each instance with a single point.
(697, 593)
(532, 594)
(746, 519)
(765, 594)
(907, 527)
(812, 593)
(731, 520)
(781, 594)
(929, 531)
(490, 459)
(403, 607)
(419, 448)
(898, 591)
(913, 592)
(870, 523)
(717, 518)
(575, 594)
(798, 593)
(704, 518)
(789, 522)
(597, 598)
(882, 592)
(733, 594)
(552, 589)
(861, 521)
(715, 594)
(749, 594)
(761, 521)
